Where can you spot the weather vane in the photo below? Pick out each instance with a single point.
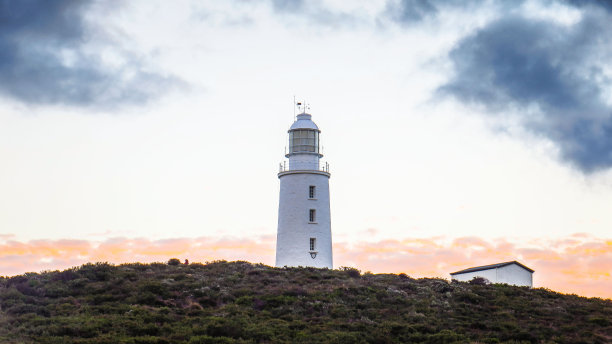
(303, 106)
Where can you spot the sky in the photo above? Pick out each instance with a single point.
(458, 133)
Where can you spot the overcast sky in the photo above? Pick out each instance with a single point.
(457, 126)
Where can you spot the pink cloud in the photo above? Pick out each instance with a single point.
(581, 264)
(576, 264)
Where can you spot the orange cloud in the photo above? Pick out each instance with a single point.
(580, 264)
(576, 264)
(37, 255)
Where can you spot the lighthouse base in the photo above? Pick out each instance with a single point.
(304, 224)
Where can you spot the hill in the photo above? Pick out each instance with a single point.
(239, 302)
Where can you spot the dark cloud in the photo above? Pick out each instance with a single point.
(527, 64)
(599, 4)
(43, 60)
(410, 11)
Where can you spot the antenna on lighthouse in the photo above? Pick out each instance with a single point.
(299, 105)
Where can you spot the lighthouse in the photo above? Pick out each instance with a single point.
(304, 223)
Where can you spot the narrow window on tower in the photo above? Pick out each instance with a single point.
(312, 216)
(313, 244)
(311, 192)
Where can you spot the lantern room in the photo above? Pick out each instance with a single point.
(304, 136)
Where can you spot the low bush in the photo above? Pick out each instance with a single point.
(239, 302)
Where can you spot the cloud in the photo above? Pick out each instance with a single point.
(288, 5)
(410, 11)
(575, 264)
(313, 13)
(598, 4)
(51, 54)
(37, 255)
(552, 73)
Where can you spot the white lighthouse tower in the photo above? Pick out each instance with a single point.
(304, 223)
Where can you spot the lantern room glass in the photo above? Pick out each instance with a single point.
(303, 141)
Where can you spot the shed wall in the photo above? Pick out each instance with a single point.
(514, 275)
(510, 274)
(468, 276)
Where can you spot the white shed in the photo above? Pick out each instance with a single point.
(513, 273)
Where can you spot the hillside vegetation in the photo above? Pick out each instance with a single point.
(239, 302)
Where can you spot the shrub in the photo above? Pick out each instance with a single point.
(210, 340)
(351, 272)
(600, 321)
(174, 261)
(479, 281)
(225, 302)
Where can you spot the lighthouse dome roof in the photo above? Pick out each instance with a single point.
(304, 121)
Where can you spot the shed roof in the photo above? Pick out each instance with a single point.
(492, 266)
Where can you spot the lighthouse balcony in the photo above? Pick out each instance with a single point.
(285, 167)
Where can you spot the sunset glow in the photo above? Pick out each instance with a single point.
(578, 264)
(456, 134)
